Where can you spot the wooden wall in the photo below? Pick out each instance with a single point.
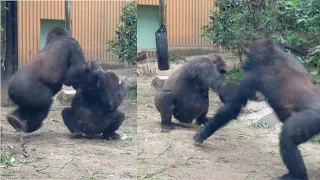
(93, 24)
(184, 20)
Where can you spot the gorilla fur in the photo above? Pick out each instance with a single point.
(94, 107)
(32, 87)
(185, 95)
(289, 91)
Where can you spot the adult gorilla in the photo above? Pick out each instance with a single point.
(32, 87)
(185, 95)
(290, 92)
(94, 107)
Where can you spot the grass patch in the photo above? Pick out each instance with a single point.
(262, 125)
(235, 74)
(7, 161)
(132, 92)
(314, 141)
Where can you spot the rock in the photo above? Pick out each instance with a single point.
(158, 82)
(255, 106)
(270, 119)
(255, 116)
(65, 97)
(260, 97)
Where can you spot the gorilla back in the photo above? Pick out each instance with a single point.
(31, 88)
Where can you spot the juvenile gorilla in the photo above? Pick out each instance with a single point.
(33, 86)
(289, 91)
(94, 107)
(185, 95)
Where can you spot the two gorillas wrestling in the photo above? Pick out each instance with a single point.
(62, 62)
(279, 76)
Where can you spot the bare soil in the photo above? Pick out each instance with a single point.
(237, 151)
(51, 152)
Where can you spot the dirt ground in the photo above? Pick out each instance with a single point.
(51, 153)
(237, 151)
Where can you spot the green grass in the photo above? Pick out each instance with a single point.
(262, 125)
(314, 141)
(7, 161)
(132, 92)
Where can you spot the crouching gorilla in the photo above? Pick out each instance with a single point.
(32, 87)
(289, 91)
(185, 95)
(94, 107)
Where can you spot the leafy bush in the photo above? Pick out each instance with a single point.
(236, 23)
(2, 8)
(312, 62)
(125, 44)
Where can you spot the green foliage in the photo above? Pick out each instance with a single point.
(235, 74)
(125, 44)
(238, 22)
(314, 141)
(7, 161)
(2, 8)
(262, 125)
(312, 62)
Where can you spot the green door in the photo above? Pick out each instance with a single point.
(147, 25)
(45, 26)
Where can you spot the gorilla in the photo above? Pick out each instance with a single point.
(185, 95)
(289, 91)
(94, 107)
(32, 87)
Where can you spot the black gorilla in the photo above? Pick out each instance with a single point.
(185, 95)
(94, 107)
(32, 87)
(289, 91)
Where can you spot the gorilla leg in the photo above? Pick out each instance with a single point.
(69, 120)
(113, 124)
(34, 105)
(298, 129)
(27, 119)
(164, 103)
(202, 118)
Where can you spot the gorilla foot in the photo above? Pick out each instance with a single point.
(16, 123)
(111, 136)
(165, 128)
(197, 138)
(289, 177)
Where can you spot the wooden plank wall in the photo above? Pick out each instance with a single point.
(93, 24)
(184, 20)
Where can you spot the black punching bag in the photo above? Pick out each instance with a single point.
(162, 41)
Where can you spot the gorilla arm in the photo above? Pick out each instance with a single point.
(230, 110)
(76, 61)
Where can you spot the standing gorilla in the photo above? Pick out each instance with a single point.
(185, 95)
(289, 91)
(33, 86)
(94, 107)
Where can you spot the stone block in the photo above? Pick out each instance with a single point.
(65, 97)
